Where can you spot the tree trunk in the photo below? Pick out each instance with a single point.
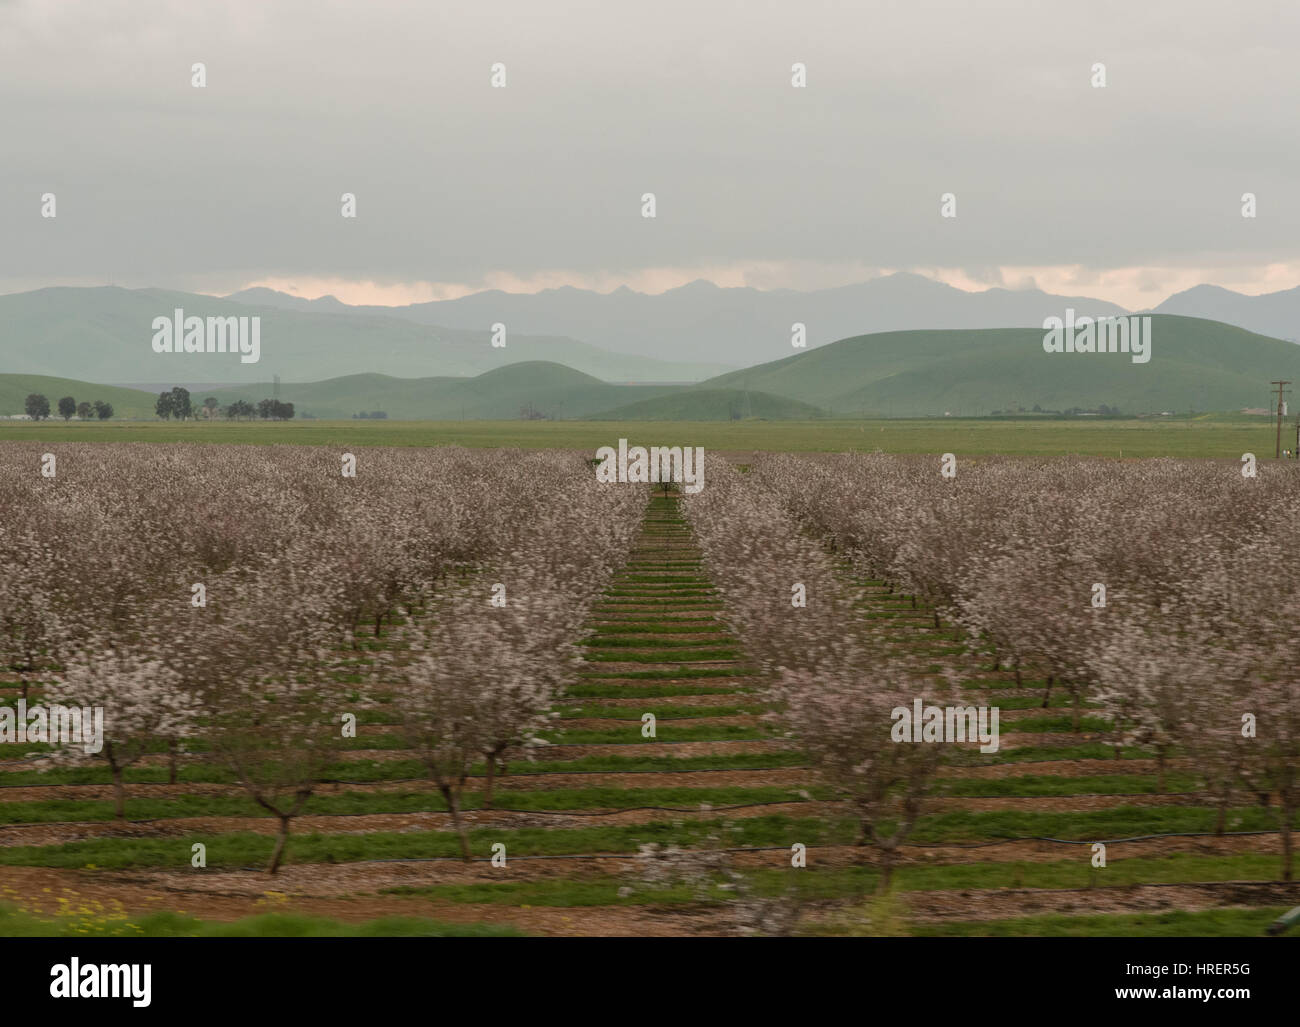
(936, 620)
(119, 794)
(171, 760)
(1288, 872)
(1047, 696)
(1019, 680)
(1223, 815)
(886, 870)
(491, 775)
(1287, 801)
(1160, 769)
(453, 806)
(280, 841)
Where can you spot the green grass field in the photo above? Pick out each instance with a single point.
(1209, 435)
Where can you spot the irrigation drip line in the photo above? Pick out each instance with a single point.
(488, 859)
(1141, 884)
(440, 812)
(662, 720)
(811, 848)
(1055, 759)
(589, 813)
(472, 777)
(714, 809)
(1019, 763)
(701, 741)
(1072, 795)
(623, 720)
(1089, 841)
(579, 745)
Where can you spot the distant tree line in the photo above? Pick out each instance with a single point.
(1101, 410)
(174, 403)
(274, 410)
(374, 415)
(37, 407)
(177, 403)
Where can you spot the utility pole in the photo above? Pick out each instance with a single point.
(1280, 391)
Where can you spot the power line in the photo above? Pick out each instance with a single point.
(1280, 407)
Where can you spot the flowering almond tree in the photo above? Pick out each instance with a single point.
(1191, 646)
(441, 702)
(1278, 699)
(279, 732)
(142, 701)
(264, 662)
(834, 690)
(841, 714)
(1268, 633)
(1175, 661)
(490, 675)
(30, 632)
(481, 679)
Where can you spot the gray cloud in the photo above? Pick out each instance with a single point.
(162, 184)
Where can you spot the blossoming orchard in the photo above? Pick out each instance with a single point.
(855, 694)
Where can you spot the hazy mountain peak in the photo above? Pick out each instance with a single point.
(1205, 289)
(104, 333)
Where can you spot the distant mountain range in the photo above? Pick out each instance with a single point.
(685, 335)
(702, 321)
(743, 326)
(1195, 364)
(104, 334)
(1272, 313)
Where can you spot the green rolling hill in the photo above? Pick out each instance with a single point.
(549, 389)
(14, 389)
(1194, 363)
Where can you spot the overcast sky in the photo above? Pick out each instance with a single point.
(1127, 192)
